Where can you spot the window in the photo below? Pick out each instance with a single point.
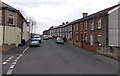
(92, 26)
(11, 19)
(86, 26)
(81, 27)
(71, 28)
(76, 27)
(99, 24)
(77, 37)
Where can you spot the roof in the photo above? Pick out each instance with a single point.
(95, 15)
(5, 5)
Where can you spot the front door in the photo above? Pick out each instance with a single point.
(91, 39)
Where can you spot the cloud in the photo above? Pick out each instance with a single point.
(53, 12)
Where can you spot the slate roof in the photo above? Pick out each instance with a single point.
(95, 15)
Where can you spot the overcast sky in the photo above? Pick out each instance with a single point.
(53, 12)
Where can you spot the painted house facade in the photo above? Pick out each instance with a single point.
(11, 27)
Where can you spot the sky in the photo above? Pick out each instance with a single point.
(49, 13)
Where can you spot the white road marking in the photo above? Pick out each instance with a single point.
(11, 57)
(4, 62)
(25, 50)
(8, 60)
(15, 62)
(18, 58)
(12, 66)
(10, 71)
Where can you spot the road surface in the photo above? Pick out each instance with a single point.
(52, 58)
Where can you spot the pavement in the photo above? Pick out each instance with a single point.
(52, 58)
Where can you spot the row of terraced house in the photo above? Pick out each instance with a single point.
(13, 27)
(98, 32)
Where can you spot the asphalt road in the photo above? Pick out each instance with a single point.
(52, 58)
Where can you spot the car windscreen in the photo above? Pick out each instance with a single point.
(34, 42)
(60, 39)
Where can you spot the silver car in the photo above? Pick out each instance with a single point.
(45, 37)
(34, 43)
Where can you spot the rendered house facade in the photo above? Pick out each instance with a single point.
(11, 27)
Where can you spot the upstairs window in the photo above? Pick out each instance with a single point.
(99, 24)
(92, 26)
(86, 25)
(70, 27)
(81, 28)
(76, 27)
(11, 19)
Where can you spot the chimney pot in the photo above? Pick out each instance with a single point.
(85, 14)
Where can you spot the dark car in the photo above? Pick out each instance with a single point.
(34, 43)
(60, 40)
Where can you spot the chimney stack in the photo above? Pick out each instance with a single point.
(63, 23)
(85, 14)
(67, 22)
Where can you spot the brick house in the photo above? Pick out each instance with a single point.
(11, 26)
(113, 47)
(98, 32)
(69, 33)
(91, 31)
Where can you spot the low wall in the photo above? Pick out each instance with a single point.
(92, 48)
(70, 41)
(7, 47)
(113, 52)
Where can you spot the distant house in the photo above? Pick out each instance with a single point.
(11, 27)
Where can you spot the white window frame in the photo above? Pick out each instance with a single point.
(77, 27)
(92, 26)
(70, 27)
(100, 24)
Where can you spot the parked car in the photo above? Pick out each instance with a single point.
(59, 40)
(50, 37)
(37, 37)
(34, 42)
(45, 37)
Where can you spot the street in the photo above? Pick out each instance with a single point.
(52, 58)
